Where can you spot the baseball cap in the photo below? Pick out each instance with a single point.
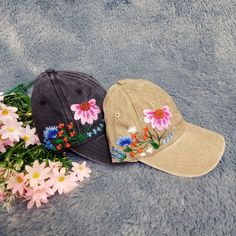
(67, 113)
(143, 124)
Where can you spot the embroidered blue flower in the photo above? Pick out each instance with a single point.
(49, 145)
(117, 154)
(124, 141)
(50, 132)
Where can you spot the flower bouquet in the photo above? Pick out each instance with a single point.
(28, 170)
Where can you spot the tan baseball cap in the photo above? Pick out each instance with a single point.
(143, 124)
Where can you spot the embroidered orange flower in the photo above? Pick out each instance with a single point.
(139, 150)
(65, 139)
(145, 136)
(60, 133)
(72, 134)
(68, 145)
(70, 125)
(61, 125)
(133, 145)
(59, 147)
(132, 154)
(134, 136)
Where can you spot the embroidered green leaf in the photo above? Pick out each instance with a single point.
(155, 145)
(127, 149)
(58, 141)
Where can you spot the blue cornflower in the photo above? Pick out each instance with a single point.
(50, 132)
(124, 141)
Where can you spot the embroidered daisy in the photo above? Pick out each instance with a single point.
(81, 170)
(86, 111)
(61, 182)
(132, 130)
(12, 130)
(159, 118)
(149, 150)
(124, 141)
(16, 183)
(29, 136)
(37, 174)
(8, 112)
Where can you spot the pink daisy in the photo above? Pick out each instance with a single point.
(11, 130)
(38, 195)
(16, 183)
(4, 143)
(29, 136)
(61, 182)
(86, 111)
(37, 174)
(159, 118)
(2, 195)
(8, 112)
(81, 170)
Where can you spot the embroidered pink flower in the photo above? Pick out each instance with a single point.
(86, 111)
(38, 195)
(37, 174)
(4, 143)
(81, 170)
(61, 182)
(11, 130)
(159, 119)
(16, 183)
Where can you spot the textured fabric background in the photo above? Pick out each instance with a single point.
(188, 48)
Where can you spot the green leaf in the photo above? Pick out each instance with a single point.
(127, 149)
(58, 141)
(155, 145)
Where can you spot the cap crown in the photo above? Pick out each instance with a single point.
(141, 118)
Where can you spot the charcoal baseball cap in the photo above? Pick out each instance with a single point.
(62, 100)
(144, 124)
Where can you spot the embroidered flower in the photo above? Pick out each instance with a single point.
(124, 141)
(117, 154)
(132, 130)
(159, 119)
(149, 150)
(86, 111)
(50, 132)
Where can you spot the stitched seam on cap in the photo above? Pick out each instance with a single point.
(140, 125)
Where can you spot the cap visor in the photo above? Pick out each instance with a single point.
(96, 150)
(195, 153)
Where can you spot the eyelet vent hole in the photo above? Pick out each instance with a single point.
(152, 104)
(117, 114)
(42, 103)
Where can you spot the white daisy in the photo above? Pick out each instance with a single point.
(132, 130)
(149, 150)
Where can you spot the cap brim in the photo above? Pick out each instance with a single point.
(195, 153)
(95, 150)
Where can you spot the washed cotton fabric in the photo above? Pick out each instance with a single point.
(188, 48)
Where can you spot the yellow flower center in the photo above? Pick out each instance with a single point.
(36, 175)
(19, 179)
(26, 137)
(80, 167)
(61, 179)
(5, 112)
(11, 129)
(159, 114)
